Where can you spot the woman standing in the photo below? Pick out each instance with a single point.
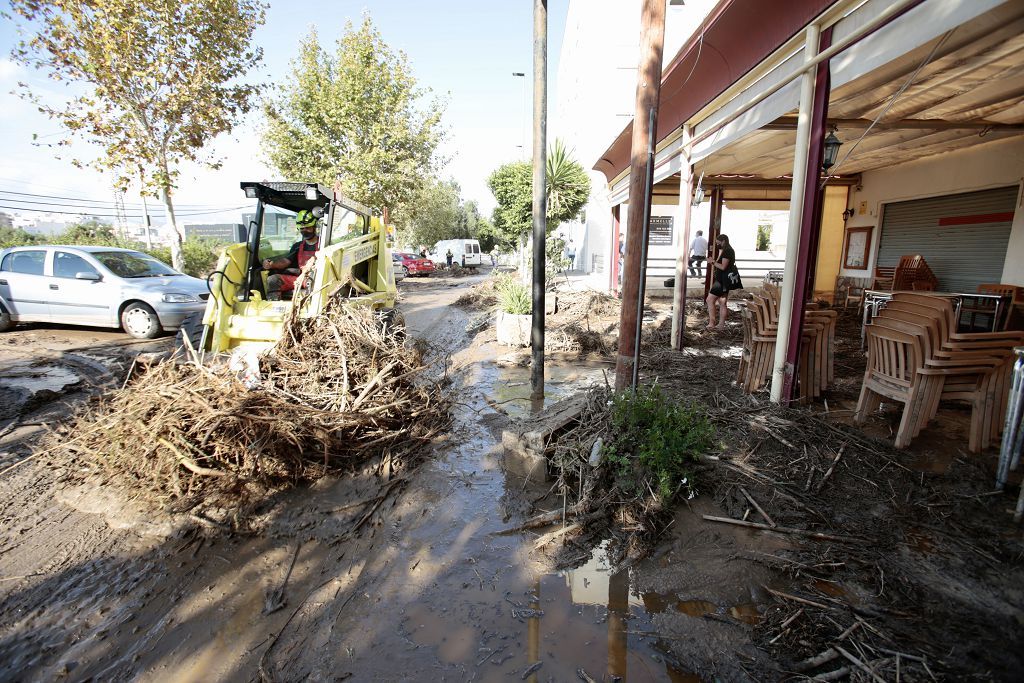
(726, 279)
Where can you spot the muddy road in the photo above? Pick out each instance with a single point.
(94, 586)
(418, 578)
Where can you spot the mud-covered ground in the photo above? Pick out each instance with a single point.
(358, 579)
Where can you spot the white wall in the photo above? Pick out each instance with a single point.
(596, 91)
(984, 166)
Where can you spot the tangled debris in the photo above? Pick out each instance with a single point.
(621, 464)
(336, 392)
(894, 571)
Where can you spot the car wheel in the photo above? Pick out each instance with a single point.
(191, 329)
(140, 321)
(405, 271)
(5, 320)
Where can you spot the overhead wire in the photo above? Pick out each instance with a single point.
(889, 104)
(91, 201)
(84, 212)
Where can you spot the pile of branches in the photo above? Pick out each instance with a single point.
(335, 393)
(607, 486)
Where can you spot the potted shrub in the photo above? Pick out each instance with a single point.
(514, 308)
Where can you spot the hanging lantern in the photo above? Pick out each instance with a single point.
(832, 145)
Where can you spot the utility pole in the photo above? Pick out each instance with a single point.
(645, 123)
(540, 203)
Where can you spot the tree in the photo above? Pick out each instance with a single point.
(568, 188)
(160, 77)
(95, 233)
(353, 117)
(432, 214)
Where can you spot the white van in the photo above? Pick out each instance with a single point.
(465, 252)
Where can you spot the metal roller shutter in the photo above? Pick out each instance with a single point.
(963, 237)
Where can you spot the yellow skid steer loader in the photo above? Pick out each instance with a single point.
(352, 261)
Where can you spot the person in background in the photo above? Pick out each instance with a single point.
(726, 278)
(570, 253)
(448, 257)
(494, 259)
(289, 266)
(698, 253)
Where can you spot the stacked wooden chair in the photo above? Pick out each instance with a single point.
(916, 357)
(912, 273)
(987, 309)
(760, 318)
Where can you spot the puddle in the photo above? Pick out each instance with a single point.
(36, 378)
(727, 352)
(511, 386)
(747, 613)
(696, 608)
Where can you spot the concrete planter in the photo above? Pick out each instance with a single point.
(513, 330)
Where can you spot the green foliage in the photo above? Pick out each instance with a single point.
(353, 116)
(16, 237)
(568, 185)
(568, 188)
(487, 235)
(93, 233)
(512, 187)
(513, 296)
(201, 254)
(655, 439)
(764, 237)
(432, 215)
(161, 78)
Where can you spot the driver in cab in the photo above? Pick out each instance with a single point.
(289, 267)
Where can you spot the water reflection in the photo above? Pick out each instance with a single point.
(511, 387)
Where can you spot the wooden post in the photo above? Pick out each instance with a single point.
(648, 90)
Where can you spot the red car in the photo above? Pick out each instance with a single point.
(411, 264)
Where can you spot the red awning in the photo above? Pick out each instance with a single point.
(739, 35)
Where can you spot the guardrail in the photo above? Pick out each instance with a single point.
(751, 268)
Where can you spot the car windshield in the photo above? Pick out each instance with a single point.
(129, 264)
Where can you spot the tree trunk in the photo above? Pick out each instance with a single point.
(177, 255)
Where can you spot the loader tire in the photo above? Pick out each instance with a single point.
(191, 329)
(393, 322)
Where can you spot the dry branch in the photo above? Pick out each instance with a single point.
(179, 429)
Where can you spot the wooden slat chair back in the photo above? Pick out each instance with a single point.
(914, 273)
(818, 334)
(883, 280)
(759, 352)
(894, 357)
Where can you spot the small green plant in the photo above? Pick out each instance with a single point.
(655, 441)
(764, 237)
(514, 297)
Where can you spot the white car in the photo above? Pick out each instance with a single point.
(99, 286)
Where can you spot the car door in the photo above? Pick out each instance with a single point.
(23, 284)
(81, 301)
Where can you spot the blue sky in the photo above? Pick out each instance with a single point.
(464, 50)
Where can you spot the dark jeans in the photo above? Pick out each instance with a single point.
(696, 261)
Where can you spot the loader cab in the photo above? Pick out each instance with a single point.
(272, 229)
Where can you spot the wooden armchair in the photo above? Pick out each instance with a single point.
(849, 290)
(899, 368)
(884, 278)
